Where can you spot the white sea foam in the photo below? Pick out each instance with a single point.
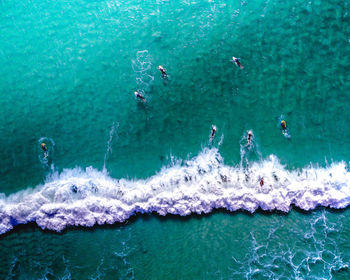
(79, 197)
(311, 253)
(112, 131)
(142, 67)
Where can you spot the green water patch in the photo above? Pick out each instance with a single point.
(67, 74)
(218, 245)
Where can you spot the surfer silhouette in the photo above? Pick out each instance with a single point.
(162, 70)
(140, 96)
(284, 127)
(237, 62)
(249, 138)
(261, 181)
(44, 148)
(213, 131)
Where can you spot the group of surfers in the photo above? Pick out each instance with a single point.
(162, 70)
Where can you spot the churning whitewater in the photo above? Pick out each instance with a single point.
(85, 198)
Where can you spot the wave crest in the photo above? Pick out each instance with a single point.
(79, 197)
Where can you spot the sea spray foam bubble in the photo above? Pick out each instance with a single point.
(79, 197)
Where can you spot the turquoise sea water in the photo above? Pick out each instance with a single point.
(69, 71)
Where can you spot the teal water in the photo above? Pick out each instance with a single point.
(219, 246)
(68, 75)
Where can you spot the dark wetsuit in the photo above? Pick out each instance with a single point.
(139, 95)
(283, 125)
(164, 75)
(249, 140)
(237, 62)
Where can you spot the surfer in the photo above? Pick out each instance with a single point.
(261, 181)
(284, 126)
(237, 62)
(213, 131)
(249, 138)
(162, 70)
(44, 148)
(139, 95)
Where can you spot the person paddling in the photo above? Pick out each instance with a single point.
(140, 96)
(237, 62)
(44, 148)
(213, 131)
(162, 70)
(284, 126)
(249, 138)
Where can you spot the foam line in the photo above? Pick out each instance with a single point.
(79, 197)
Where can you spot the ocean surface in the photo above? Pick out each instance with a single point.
(139, 190)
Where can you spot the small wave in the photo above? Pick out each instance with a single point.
(78, 197)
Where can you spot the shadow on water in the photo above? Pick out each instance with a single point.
(32, 226)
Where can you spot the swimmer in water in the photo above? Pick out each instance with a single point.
(237, 62)
(44, 148)
(261, 181)
(162, 70)
(249, 138)
(213, 131)
(284, 126)
(139, 95)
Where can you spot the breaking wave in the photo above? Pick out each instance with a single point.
(79, 197)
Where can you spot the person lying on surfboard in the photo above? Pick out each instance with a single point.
(44, 148)
(249, 138)
(237, 62)
(162, 70)
(139, 95)
(213, 131)
(284, 126)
